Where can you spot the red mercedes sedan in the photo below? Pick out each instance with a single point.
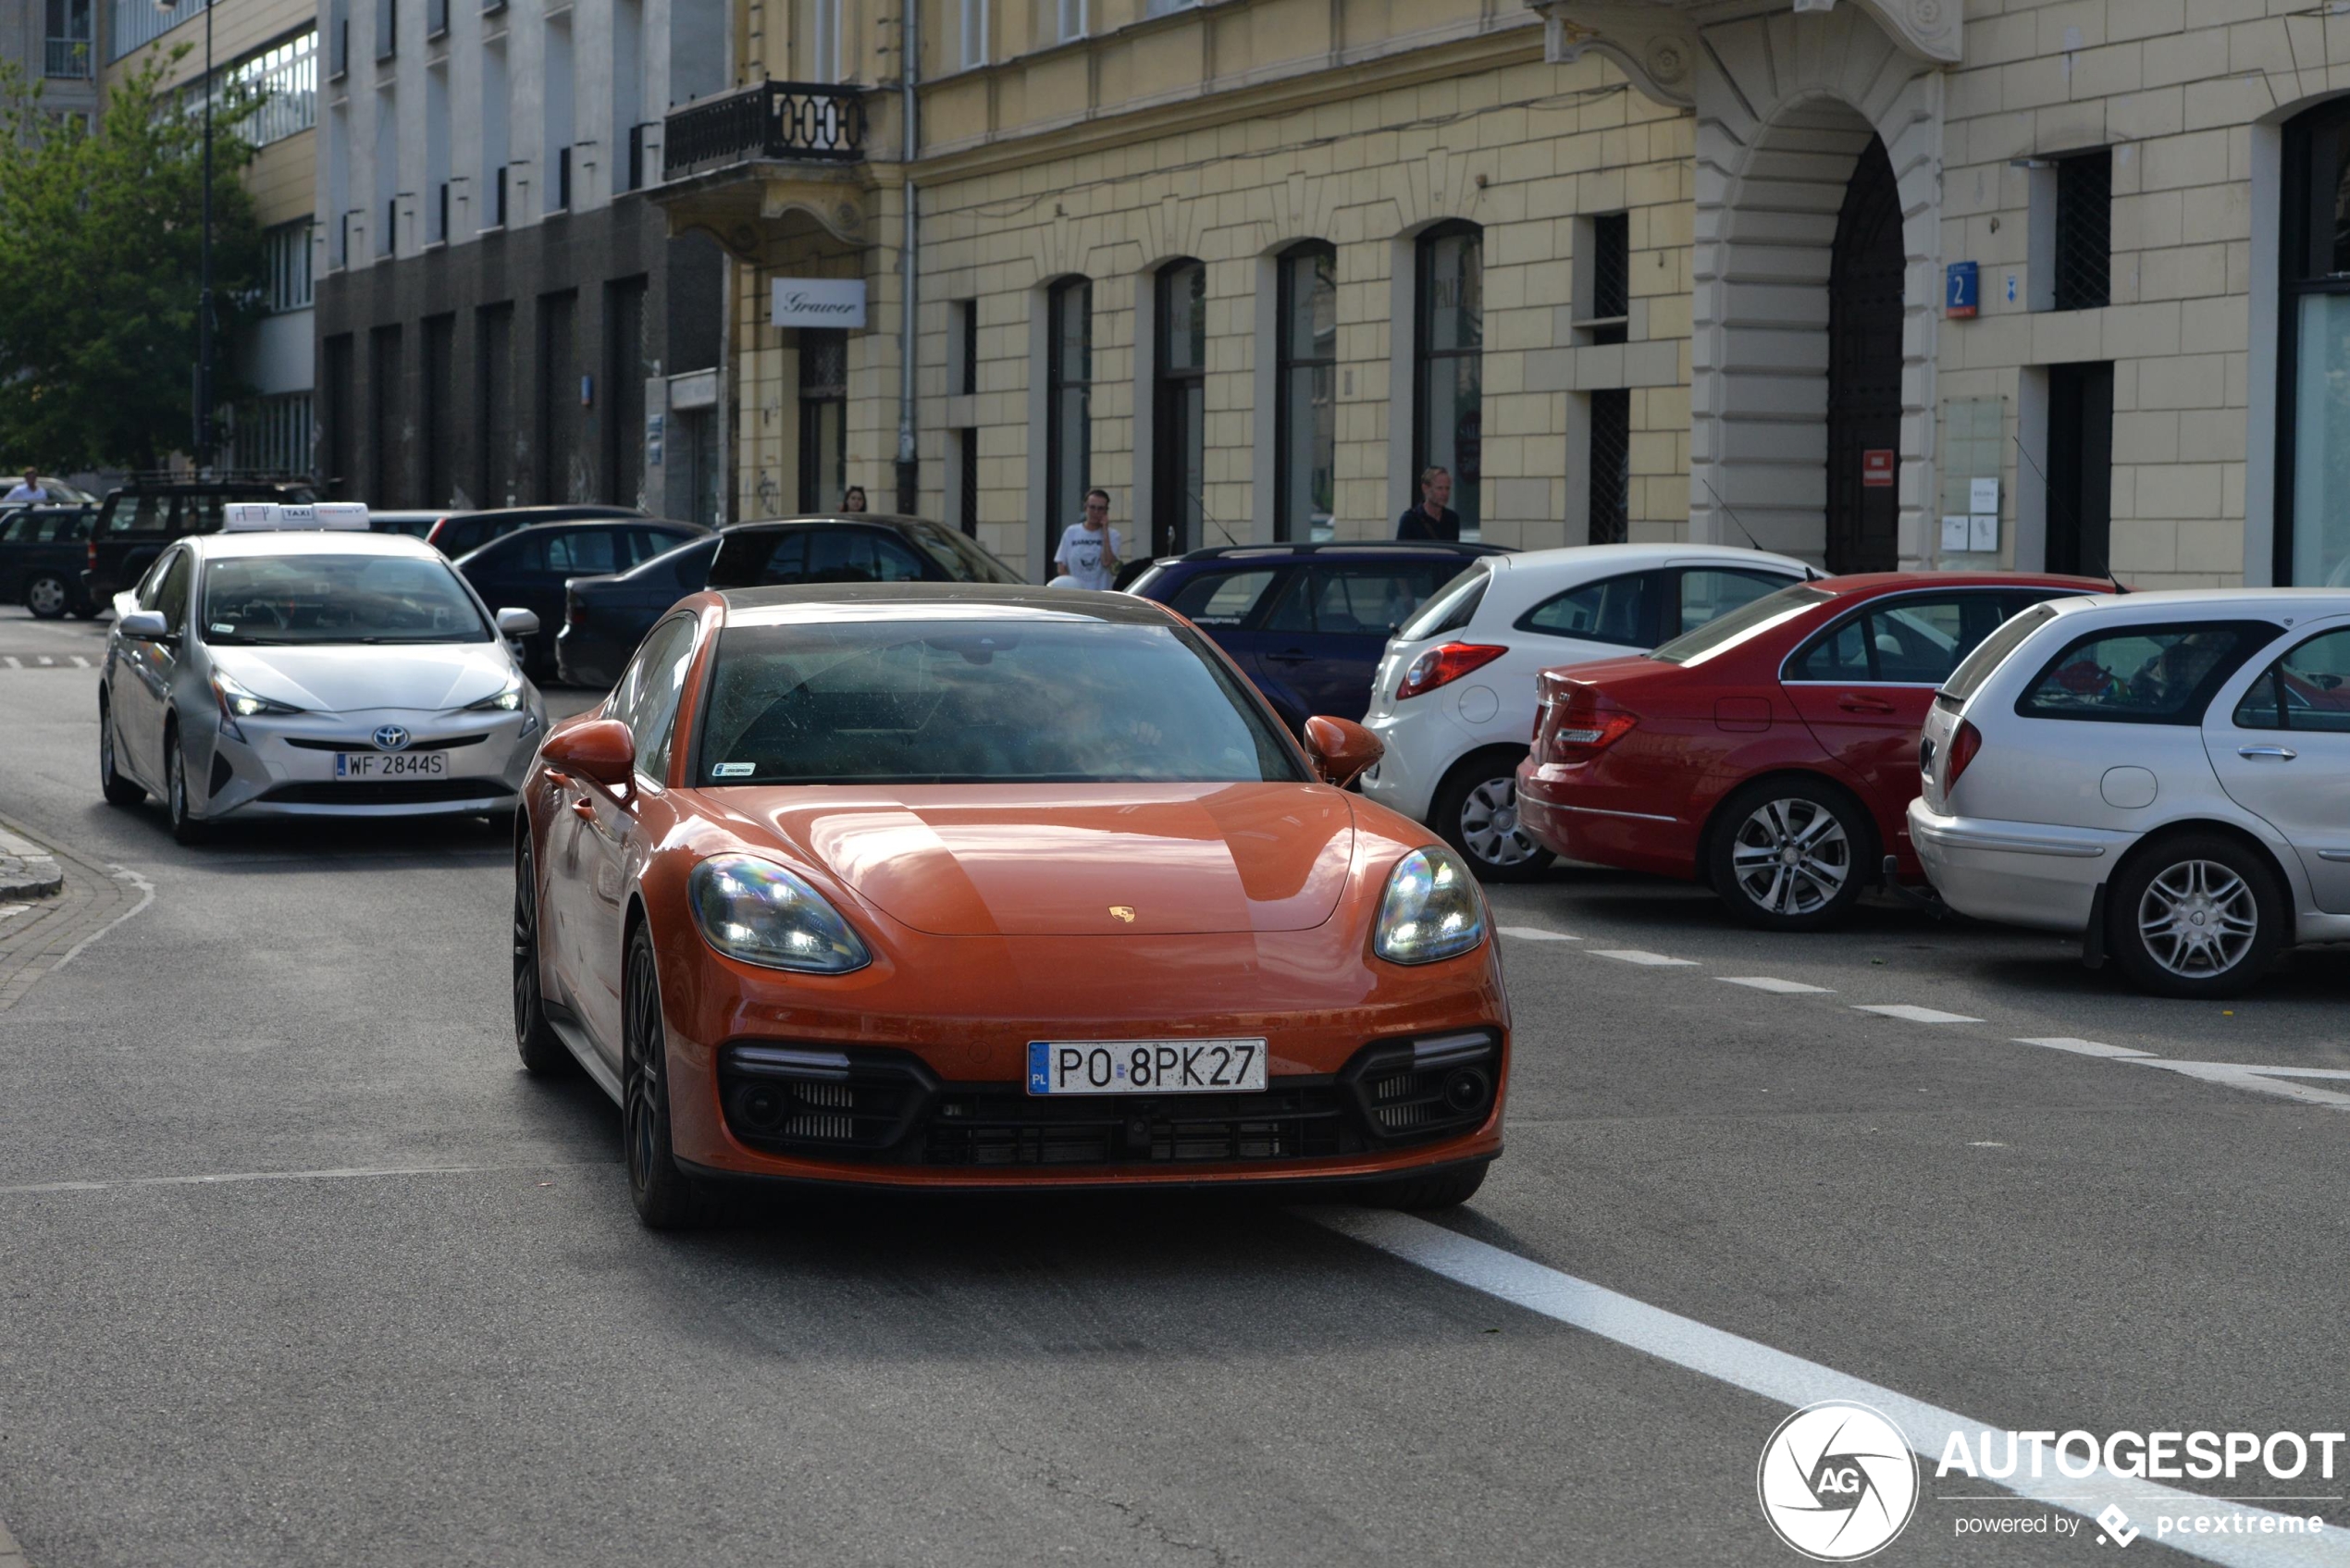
(1772, 753)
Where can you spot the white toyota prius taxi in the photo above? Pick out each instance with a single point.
(295, 664)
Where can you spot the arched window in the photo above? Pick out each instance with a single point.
(1179, 465)
(1068, 375)
(1450, 336)
(1306, 418)
(2313, 344)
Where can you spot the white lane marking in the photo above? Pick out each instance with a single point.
(46, 662)
(341, 1174)
(1636, 956)
(1536, 933)
(12, 661)
(2260, 1079)
(1790, 1381)
(2084, 1047)
(146, 897)
(79, 662)
(1775, 987)
(1908, 1014)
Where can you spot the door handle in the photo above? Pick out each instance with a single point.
(1863, 705)
(1289, 656)
(2282, 753)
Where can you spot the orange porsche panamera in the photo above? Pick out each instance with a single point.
(961, 886)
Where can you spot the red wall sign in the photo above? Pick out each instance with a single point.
(1876, 467)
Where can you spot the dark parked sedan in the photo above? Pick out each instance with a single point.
(461, 533)
(604, 618)
(42, 551)
(528, 569)
(1308, 622)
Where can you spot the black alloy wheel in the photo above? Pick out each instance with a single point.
(1791, 855)
(666, 1198)
(186, 828)
(118, 789)
(543, 1054)
(1475, 810)
(48, 596)
(2197, 916)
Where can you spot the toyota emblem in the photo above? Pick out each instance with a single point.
(391, 738)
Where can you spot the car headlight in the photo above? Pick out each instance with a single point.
(1431, 909)
(238, 703)
(757, 911)
(506, 700)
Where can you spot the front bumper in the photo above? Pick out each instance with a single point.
(2021, 873)
(284, 765)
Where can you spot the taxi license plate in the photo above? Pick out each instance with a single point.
(1145, 1066)
(391, 764)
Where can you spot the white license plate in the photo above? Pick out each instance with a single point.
(391, 764)
(1145, 1066)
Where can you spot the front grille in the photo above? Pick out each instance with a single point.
(452, 744)
(387, 792)
(886, 1107)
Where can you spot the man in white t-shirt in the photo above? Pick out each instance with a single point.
(1089, 550)
(32, 492)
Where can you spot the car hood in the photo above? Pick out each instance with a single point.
(349, 678)
(1065, 859)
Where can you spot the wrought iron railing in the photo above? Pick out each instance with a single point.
(68, 58)
(770, 119)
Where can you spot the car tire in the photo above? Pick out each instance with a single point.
(186, 827)
(1438, 1190)
(48, 596)
(118, 789)
(543, 1052)
(1475, 810)
(1827, 832)
(2200, 915)
(666, 1198)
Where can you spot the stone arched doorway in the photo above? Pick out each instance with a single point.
(1864, 370)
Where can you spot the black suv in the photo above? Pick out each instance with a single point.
(137, 519)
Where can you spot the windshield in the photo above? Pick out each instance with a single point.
(1993, 650)
(337, 599)
(981, 702)
(1747, 620)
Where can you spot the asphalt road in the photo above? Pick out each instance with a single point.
(406, 1315)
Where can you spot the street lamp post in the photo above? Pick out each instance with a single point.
(203, 266)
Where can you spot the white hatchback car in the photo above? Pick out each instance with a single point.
(2168, 774)
(1453, 699)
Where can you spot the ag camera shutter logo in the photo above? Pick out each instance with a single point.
(1838, 1481)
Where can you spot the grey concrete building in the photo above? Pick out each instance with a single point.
(502, 316)
(55, 43)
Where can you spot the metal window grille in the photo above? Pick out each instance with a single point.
(1611, 266)
(68, 39)
(2084, 231)
(1610, 466)
(967, 347)
(966, 504)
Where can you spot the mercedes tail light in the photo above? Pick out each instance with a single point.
(1964, 746)
(1442, 666)
(1588, 723)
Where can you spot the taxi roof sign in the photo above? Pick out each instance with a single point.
(261, 517)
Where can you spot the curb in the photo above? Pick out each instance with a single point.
(27, 870)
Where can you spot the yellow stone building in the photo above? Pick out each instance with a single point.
(1246, 265)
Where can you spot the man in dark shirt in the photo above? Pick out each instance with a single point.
(1432, 519)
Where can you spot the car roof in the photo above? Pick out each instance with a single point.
(311, 542)
(1631, 557)
(551, 511)
(884, 519)
(2161, 603)
(1857, 583)
(813, 603)
(1450, 550)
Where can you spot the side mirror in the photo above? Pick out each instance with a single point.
(146, 625)
(1340, 749)
(600, 750)
(513, 622)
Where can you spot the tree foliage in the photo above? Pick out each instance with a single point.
(100, 228)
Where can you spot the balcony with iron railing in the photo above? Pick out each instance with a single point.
(733, 165)
(67, 59)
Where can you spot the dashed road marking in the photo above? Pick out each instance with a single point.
(46, 662)
(1639, 955)
(12, 661)
(2084, 1047)
(1536, 933)
(79, 662)
(1790, 1381)
(1907, 1013)
(342, 1173)
(1775, 987)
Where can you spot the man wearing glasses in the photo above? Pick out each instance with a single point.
(1089, 550)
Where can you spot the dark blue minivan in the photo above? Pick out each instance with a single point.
(1307, 623)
